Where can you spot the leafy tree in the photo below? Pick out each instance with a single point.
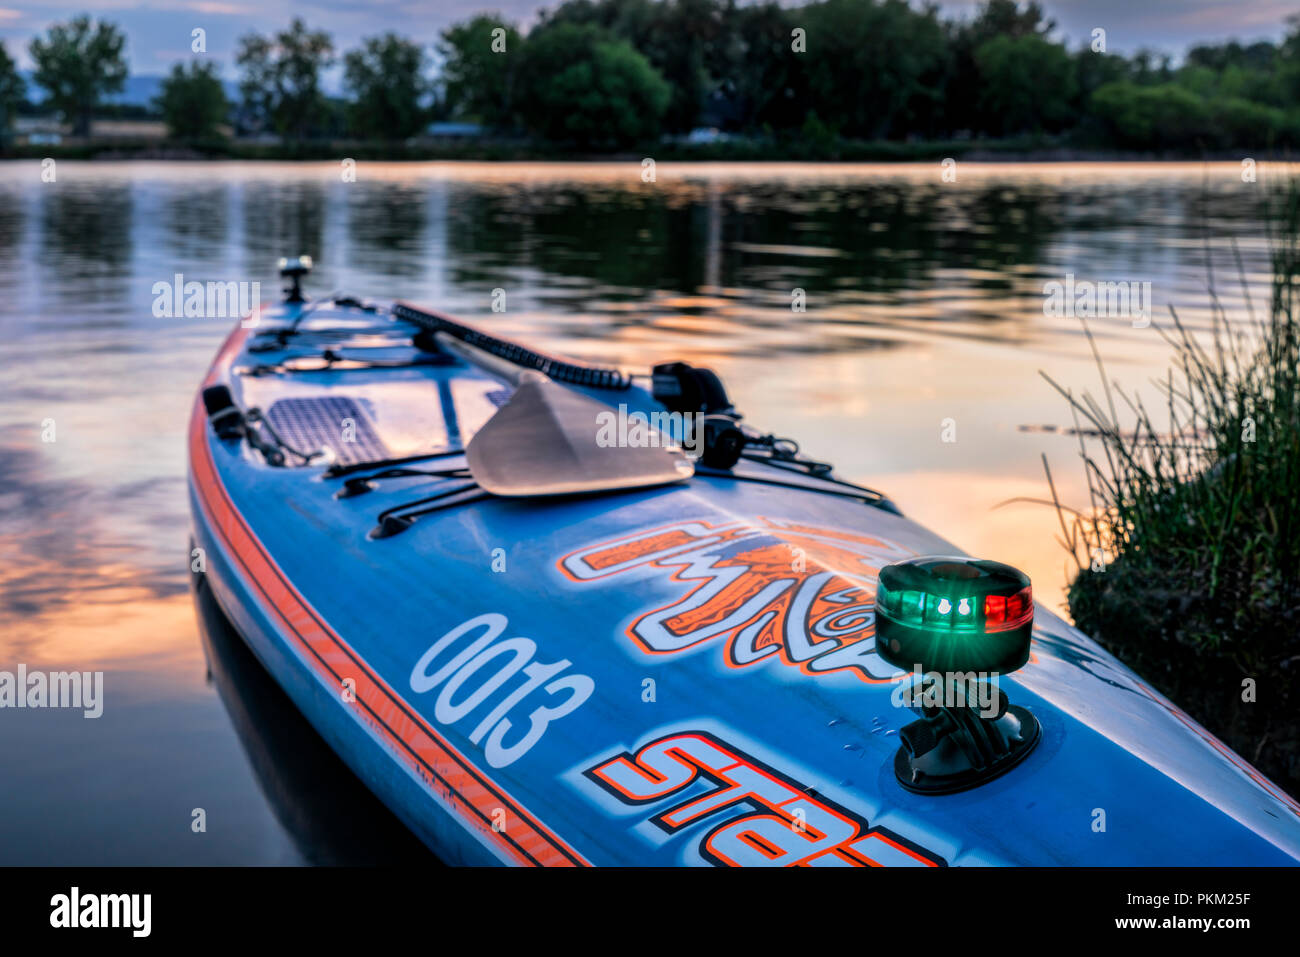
(257, 84)
(1261, 86)
(193, 102)
(1258, 57)
(993, 19)
(1288, 79)
(1091, 70)
(1027, 83)
(1235, 122)
(1006, 18)
(876, 67)
(686, 41)
(13, 91)
(583, 86)
(1165, 116)
(1201, 80)
(766, 80)
(77, 63)
(1233, 75)
(386, 80)
(479, 67)
(280, 85)
(1149, 67)
(816, 137)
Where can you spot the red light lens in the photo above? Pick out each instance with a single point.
(1002, 613)
(995, 610)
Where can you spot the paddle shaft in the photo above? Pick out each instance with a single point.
(494, 365)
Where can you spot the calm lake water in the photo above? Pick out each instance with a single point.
(924, 303)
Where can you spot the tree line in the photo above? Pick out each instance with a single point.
(612, 74)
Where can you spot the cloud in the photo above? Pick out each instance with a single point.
(215, 8)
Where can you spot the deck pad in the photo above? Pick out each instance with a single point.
(338, 423)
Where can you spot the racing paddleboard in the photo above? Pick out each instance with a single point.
(557, 614)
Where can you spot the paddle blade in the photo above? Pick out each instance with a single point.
(545, 441)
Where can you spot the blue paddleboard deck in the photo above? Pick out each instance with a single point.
(676, 675)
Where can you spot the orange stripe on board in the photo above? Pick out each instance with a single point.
(450, 775)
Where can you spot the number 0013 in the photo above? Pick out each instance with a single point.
(468, 672)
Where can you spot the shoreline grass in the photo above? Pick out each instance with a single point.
(1188, 556)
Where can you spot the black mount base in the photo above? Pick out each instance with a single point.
(951, 749)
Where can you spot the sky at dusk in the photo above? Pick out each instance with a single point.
(158, 31)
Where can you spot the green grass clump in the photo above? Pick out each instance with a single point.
(1189, 559)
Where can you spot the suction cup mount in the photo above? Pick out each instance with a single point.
(961, 623)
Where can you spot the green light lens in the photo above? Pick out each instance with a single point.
(912, 607)
(931, 611)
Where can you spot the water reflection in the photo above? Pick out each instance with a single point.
(328, 814)
(389, 222)
(86, 227)
(12, 220)
(280, 216)
(86, 232)
(195, 221)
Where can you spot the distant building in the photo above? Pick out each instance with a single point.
(38, 130)
(50, 131)
(702, 135)
(453, 130)
(134, 130)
